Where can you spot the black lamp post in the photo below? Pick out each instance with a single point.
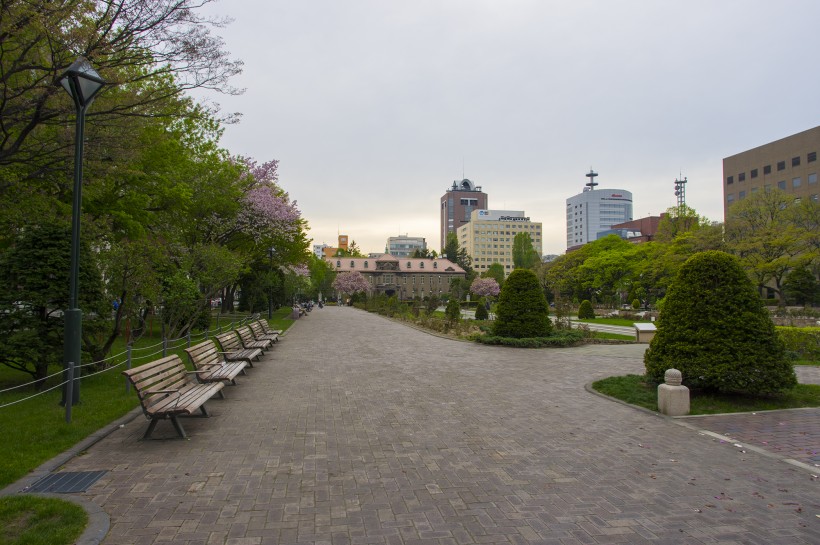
(82, 82)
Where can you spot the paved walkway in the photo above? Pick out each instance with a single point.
(359, 430)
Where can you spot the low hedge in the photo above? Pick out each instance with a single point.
(802, 341)
(559, 340)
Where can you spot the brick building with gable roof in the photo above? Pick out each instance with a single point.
(406, 278)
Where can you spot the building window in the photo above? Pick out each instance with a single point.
(365, 264)
(435, 265)
(352, 264)
(781, 184)
(796, 182)
(421, 265)
(338, 263)
(813, 178)
(754, 190)
(767, 169)
(408, 264)
(741, 177)
(730, 180)
(753, 173)
(796, 161)
(730, 198)
(811, 157)
(781, 165)
(814, 197)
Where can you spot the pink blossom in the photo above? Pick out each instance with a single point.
(300, 270)
(485, 287)
(350, 283)
(265, 211)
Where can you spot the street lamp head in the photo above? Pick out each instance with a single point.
(81, 81)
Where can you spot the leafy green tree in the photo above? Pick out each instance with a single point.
(424, 254)
(496, 271)
(137, 50)
(522, 309)
(524, 254)
(801, 287)
(585, 311)
(453, 311)
(353, 250)
(432, 302)
(761, 231)
(456, 254)
(33, 295)
(677, 221)
(714, 329)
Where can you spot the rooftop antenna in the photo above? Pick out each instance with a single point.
(591, 183)
(462, 168)
(680, 192)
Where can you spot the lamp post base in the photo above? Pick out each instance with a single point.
(73, 352)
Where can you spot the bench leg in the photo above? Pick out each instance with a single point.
(178, 427)
(243, 372)
(221, 396)
(204, 411)
(150, 429)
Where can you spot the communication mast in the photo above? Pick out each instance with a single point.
(590, 185)
(680, 192)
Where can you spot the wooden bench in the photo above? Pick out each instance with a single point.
(248, 341)
(211, 366)
(232, 349)
(267, 329)
(260, 334)
(166, 390)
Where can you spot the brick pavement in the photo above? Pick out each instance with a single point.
(359, 430)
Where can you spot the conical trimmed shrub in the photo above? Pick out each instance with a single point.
(522, 309)
(585, 311)
(714, 328)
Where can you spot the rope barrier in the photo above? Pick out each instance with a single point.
(163, 345)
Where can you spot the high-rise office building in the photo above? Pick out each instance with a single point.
(789, 164)
(595, 210)
(457, 203)
(488, 237)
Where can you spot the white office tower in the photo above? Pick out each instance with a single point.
(595, 210)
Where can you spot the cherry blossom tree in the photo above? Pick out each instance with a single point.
(268, 211)
(485, 287)
(350, 283)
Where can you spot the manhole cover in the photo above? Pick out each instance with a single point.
(67, 483)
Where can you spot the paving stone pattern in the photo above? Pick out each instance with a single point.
(359, 430)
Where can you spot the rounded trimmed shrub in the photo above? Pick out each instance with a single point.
(585, 311)
(522, 309)
(714, 328)
(636, 304)
(481, 310)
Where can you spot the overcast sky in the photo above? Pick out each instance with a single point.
(373, 108)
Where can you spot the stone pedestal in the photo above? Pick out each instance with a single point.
(673, 398)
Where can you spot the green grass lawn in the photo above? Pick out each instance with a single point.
(612, 321)
(35, 430)
(635, 390)
(33, 520)
(612, 336)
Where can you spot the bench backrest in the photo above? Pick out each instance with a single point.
(229, 341)
(245, 333)
(257, 330)
(204, 354)
(168, 373)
